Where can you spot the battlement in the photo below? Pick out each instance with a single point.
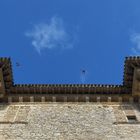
(129, 88)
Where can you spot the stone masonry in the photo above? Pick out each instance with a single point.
(68, 121)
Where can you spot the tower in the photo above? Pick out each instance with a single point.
(6, 81)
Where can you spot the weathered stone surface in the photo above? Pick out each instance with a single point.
(67, 121)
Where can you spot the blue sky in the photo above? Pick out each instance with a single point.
(54, 40)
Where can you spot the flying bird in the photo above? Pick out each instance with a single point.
(83, 75)
(83, 71)
(17, 64)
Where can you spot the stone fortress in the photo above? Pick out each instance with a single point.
(70, 111)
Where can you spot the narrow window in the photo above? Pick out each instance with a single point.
(132, 119)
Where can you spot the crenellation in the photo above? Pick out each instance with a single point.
(120, 99)
(42, 99)
(20, 99)
(87, 99)
(9, 100)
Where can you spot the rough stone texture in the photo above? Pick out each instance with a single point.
(68, 121)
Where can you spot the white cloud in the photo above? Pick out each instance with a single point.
(135, 38)
(50, 35)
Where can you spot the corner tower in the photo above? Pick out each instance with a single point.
(132, 75)
(6, 80)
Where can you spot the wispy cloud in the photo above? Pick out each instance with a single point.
(135, 38)
(50, 35)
